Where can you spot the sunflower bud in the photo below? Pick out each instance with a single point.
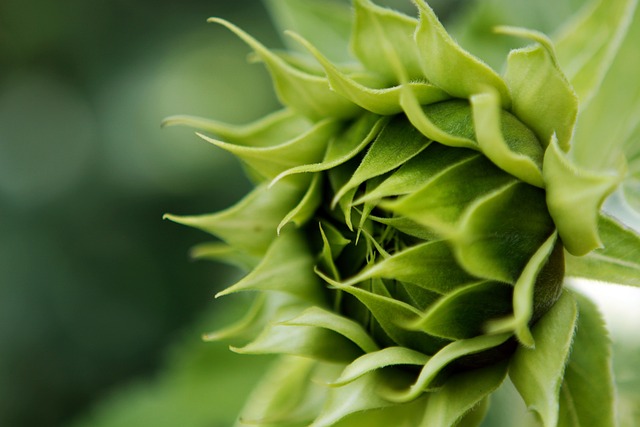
(407, 230)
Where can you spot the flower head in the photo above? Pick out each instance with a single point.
(406, 236)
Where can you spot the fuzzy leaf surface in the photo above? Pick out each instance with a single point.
(587, 395)
(537, 372)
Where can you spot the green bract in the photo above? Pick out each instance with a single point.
(413, 217)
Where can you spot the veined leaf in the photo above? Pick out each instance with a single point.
(617, 262)
(589, 369)
(587, 45)
(537, 372)
(608, 126)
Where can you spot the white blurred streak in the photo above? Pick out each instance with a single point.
(620, 306)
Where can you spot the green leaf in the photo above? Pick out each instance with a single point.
(429, 265)
(231, 224)
(542, 96)
(265, 308)
(407, 226)
(389, 356)
(244, 326)
(586, 47)
(309, 147)
(218, 251)
(355, 397)
(464, 312)
(441, 359)
(338, 177)
(320, 318)
(405, 415)
(608, 126)
(416, 171)
(332, 245)
(383, 41)
(305, 93)
(392, 316)
(476, 415)
(494, 246)
(461, 393)
(383, 101)
(523, 295)
(306, 209)
(537, 372)
(307, 341)
(448, 66)
(286, 267)
(431, 127)
(271, 130)
(326, 23)
(569, 188)
(587, 395)
(283, 395)
(521, 154)
(343, 146)
(444, 197)
(397, 143)
(617, 262)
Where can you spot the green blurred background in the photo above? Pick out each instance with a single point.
(100, 308)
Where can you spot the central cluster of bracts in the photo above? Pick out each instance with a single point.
(424, 243)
